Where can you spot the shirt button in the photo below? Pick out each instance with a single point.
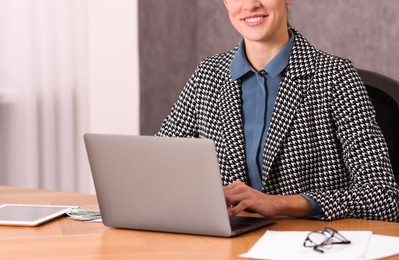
(262, 73)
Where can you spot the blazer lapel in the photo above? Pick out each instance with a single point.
(231, 130)
(293, 87)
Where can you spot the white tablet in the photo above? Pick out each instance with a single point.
(30, 215)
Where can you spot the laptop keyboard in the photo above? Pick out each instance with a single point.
(242, 222)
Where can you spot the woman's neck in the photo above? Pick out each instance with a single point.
(259, 54)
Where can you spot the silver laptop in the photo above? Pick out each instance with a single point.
(162, 184)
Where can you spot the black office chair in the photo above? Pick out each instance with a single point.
(384, 94)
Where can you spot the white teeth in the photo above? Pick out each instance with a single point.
(253, 19)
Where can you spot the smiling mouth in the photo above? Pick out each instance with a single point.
(254, 20)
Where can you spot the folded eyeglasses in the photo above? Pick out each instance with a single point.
(321, 240)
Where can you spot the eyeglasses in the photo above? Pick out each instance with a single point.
(321, 240)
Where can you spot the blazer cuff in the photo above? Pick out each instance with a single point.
(317, 212)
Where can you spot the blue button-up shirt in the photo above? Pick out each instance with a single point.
(259, 93)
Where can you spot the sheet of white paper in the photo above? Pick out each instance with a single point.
(382, 246)
(288, 245)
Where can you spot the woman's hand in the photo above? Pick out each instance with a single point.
(241, 197)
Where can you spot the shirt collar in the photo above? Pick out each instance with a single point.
(240, 66)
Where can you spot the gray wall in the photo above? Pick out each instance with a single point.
(176, 34)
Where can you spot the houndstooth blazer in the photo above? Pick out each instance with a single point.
(323, 138)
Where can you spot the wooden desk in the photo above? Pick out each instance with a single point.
(65, 238)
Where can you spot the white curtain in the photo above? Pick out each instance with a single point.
(45, 93)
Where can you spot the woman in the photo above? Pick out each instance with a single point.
(294, 129)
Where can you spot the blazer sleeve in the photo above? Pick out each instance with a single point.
(372, 192)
